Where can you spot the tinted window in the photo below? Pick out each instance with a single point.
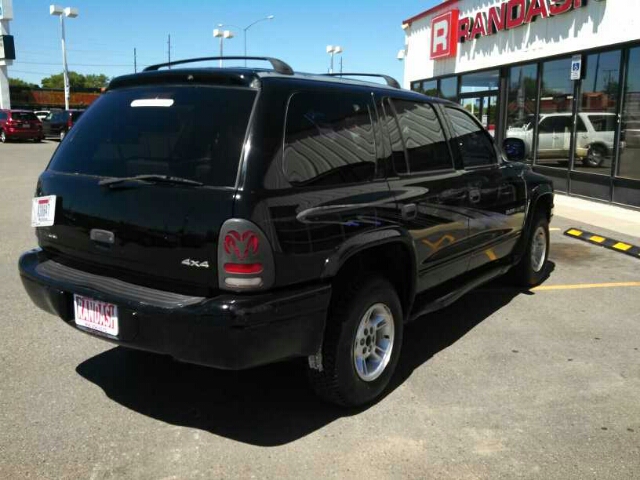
(189, 132)
(76, 115)
(329, 139)
(398, 156)
(473, 141)
(555, 124)
(603, 123)
(24, 116)
(581, 126)
(3, 116)
(423, 136)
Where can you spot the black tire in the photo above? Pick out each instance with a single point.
(526, 273)
(3, 137)
(595, 156)
(337, 380)
(62, 135)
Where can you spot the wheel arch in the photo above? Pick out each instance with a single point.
(390, 253)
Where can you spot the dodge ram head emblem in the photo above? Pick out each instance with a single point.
(241, 245)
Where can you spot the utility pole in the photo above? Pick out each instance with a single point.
(135, 61)
(340, 64)
(169, 50)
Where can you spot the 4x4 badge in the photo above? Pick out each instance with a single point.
(192, 263)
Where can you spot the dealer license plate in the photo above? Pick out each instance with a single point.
(96, 315)
(43, 211)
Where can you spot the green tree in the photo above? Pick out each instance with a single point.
(18, 82)
(76, 80)
(96, 81)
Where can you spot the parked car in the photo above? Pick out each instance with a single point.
(59, 122)
(42, 114)
(19, 125)
(313, 217)
(594, 139)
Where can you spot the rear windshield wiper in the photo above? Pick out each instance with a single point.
(150, 179)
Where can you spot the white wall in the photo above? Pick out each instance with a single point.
(595, 25)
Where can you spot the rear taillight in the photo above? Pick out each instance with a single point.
(245, 259)
(69, 122)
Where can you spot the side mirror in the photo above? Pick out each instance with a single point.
(515, 149)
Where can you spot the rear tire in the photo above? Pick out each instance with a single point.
(62, 135)
(532, 268)
(361, 345)
(3, 137)
(595, 156)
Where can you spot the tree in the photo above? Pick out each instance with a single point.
(76, 80)
(18, 82)
(96, 81)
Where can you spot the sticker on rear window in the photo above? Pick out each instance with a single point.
(153, 102)
(43, 211)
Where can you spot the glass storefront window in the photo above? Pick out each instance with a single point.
(449, 88)
(556, 121)
(480, 82)
(521, 106)
(629, 166)
(429, 88)
(597, 117)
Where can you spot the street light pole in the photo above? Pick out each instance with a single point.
(244, 31)
(69, 12)
(222, 34)
(332, 50)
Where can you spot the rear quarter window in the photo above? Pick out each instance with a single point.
(192, 132)
(329, 139)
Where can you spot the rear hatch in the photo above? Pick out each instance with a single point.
(144, 181)
(26, 121)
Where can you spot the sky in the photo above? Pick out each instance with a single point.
(102, 38)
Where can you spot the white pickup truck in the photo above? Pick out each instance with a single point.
(594, 139)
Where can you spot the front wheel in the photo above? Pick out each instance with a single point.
(532, 268)
(3, 137)
(361, 345)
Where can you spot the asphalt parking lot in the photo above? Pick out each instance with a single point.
(503, 384)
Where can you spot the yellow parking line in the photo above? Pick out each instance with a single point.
(622, 246)
(597, 238)
(585, 285)
(574, 232)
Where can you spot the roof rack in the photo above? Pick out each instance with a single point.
(392, 82)
(278, 65)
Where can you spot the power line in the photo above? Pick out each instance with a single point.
(77, 64)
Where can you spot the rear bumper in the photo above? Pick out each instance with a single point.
(227, 331)
(14, 134)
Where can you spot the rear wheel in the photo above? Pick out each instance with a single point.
(595, 156)
(361, 345)
(3, 137)
(532, 268)
(62, 135)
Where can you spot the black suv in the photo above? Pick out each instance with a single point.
(235, 217)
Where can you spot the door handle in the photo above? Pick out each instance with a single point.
(409, 211)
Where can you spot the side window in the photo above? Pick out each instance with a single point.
(398, 155)
(3, 116)
(582, 128)
(329, 139)
(423, 136)
(545, 125)
(474, 143)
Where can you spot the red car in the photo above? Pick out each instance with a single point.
(20, 125)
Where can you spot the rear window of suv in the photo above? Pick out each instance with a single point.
(192, 132)
(24, 116)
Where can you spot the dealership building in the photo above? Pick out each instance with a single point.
(561, 75)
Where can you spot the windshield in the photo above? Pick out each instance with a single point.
(191, 132)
